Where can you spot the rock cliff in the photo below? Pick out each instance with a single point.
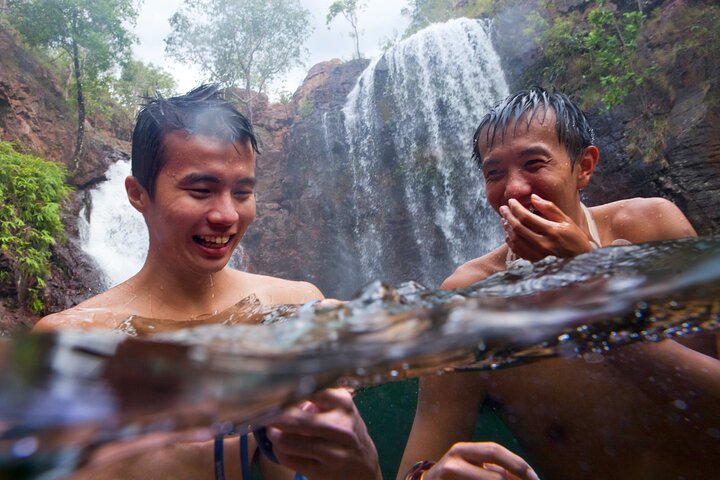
(303, 168)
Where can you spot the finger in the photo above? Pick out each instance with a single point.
(334, 398)
(533, 222)
(330, 303)
(331, 426)
(522, 241)
(488, 452)
(548, 209)
(307, 447)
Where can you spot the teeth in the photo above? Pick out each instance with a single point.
(214, 239)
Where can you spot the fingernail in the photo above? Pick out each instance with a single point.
(531, 473)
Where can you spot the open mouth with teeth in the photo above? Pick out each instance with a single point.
(212, 241)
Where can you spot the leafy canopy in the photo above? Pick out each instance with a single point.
(31, 191)
(139, 79)
(245, 43)
(92, 33)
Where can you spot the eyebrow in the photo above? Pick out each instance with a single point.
(535, 150)
(192, 178)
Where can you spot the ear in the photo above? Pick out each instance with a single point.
(585, 165)
(137, 194)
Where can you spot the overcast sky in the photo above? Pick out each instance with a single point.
(379, 21)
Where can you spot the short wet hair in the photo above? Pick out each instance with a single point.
(202, 111)
(571, 124)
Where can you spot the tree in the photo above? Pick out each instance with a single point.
(348, 9)
(245, 43)
(139, 79)
(93, 33)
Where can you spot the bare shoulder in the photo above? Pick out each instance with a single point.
(477, 269)
(273, 290)
(644, 220)
(94, 313)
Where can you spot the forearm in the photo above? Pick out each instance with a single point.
(446, 413)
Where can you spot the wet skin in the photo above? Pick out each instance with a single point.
(203, 204)
(613, 417)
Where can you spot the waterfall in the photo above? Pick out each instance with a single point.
(385, 173)
(418, 201)
(112, 232)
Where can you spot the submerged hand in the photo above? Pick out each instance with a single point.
(534, 237)
(325, 439)
(480, 461)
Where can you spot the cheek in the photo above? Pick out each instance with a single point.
(494, 195)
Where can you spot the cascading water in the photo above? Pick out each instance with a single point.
(415, 210)
(113, 233)
(418, 201)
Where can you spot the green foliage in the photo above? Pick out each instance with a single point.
(139, 79)
(240, 43)
(597, 54)
(97, 27)
(348, 9)
(92, 33)
(305, 107)
(31, 190)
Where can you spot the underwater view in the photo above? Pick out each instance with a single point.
(488, 249)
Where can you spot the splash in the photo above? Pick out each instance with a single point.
(70, 392)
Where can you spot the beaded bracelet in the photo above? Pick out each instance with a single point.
(417, 471)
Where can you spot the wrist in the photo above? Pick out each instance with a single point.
(418, 470)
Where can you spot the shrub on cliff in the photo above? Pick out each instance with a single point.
(31, 190)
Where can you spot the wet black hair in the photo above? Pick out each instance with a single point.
(571, 124)
(202, 111)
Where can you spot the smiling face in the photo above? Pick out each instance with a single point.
(203, 202)
(530, 159)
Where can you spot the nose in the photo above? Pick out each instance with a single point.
(516, 186)
(223, 211)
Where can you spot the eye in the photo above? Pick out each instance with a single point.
(535, 164)
(198, 192)
(243, 194)
(492, 174)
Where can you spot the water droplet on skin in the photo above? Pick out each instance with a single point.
(394, 373)
(680, 405)
(593, 357)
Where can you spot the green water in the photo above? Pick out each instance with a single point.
(389, 409)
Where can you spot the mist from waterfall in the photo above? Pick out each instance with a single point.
(409, 122)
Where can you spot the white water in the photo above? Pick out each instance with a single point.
(115, 235)
(439, 83)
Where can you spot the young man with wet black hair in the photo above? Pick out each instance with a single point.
(193, 180)
(618, 418)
